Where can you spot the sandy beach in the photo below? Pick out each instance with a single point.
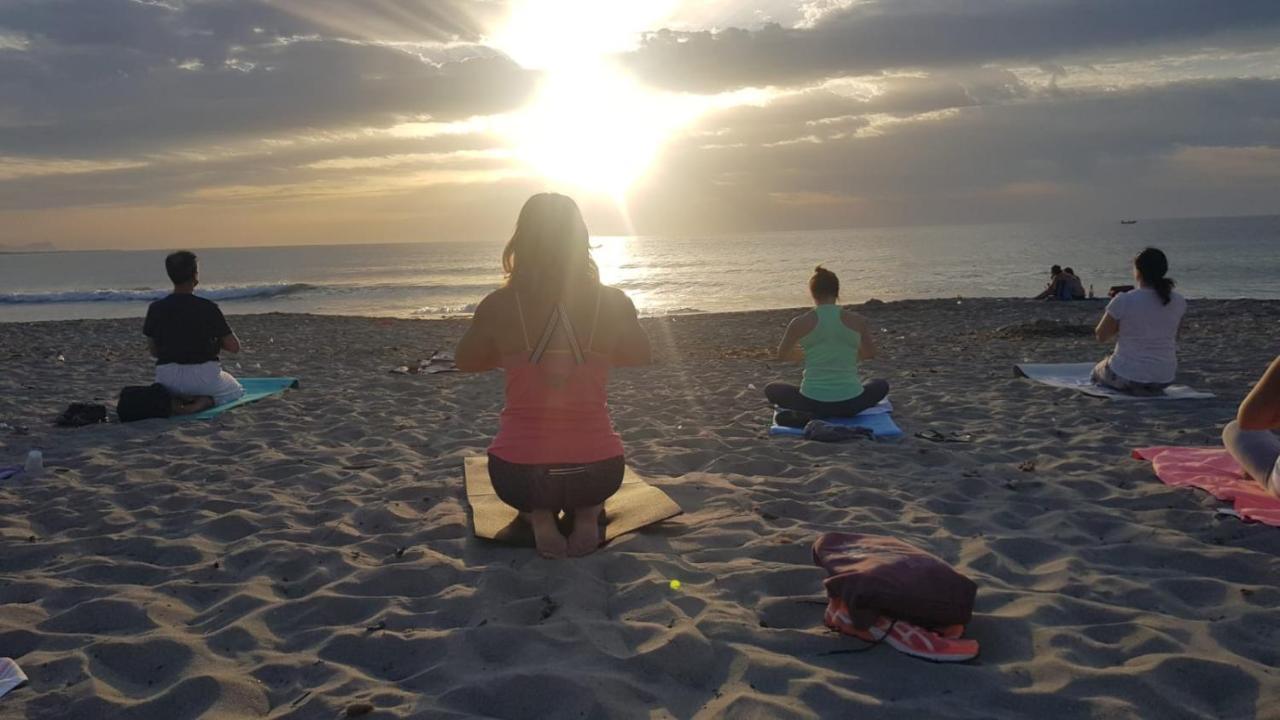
(309, 556)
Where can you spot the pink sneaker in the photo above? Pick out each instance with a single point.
(946, 645)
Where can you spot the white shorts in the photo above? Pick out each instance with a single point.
(204, 379)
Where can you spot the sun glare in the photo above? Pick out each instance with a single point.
(590, 126)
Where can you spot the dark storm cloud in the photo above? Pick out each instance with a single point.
(867, 37)
(111, 78)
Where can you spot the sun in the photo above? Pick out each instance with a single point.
(595, 129)
(590, 126)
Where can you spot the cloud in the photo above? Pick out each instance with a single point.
(1043, 154)
(120, 77)
(859, 38)
(332, 120)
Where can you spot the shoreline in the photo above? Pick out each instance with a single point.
(869, 305)
(312, 551)
(229, 308)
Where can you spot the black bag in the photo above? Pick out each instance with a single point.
(81, 414)
(141, 402)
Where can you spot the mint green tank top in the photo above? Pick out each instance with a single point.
(831, 358)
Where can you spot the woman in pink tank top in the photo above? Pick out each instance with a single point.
(556, 331)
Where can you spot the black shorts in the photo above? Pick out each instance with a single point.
(555, 487)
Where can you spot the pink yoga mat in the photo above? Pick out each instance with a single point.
(1217, 473)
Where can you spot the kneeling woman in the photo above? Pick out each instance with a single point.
(831, 341)
(556, 449)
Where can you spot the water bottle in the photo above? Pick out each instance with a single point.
(35, 463)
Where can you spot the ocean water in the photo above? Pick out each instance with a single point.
(1209, 257)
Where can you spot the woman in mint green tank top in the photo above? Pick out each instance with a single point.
(831, 341)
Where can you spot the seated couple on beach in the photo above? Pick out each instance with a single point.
(830, 341)
(1062, 285)
(556, 330)
(1144, 323)
(185, 333)
(1251, 438)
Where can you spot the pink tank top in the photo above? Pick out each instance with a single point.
(557, 409)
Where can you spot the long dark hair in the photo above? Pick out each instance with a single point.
(550, 250)
(1152, 266)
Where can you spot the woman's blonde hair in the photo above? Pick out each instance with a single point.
(551, 247)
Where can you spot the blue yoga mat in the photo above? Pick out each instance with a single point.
(880, 424)
(254, 390)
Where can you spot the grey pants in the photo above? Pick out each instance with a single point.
(1105, 376)
(1256, 451)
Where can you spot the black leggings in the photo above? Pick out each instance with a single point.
(555, 487)
(787, 396)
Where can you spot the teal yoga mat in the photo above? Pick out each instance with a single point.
(254, 390)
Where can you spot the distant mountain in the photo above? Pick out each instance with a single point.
(29, 247)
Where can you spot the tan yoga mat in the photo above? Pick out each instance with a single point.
(635, 505)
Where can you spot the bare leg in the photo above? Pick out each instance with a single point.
(184, 405)
(1255, 450)
(585, 537)
(546, 534)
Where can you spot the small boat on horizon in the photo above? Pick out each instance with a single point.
(1128, 222)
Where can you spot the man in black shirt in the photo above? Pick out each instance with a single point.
(186, 333)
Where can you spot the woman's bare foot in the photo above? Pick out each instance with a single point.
(585, 537)
(546, 535)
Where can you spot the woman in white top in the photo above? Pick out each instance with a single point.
(1144, 324)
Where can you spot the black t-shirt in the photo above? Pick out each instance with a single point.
(187, 330)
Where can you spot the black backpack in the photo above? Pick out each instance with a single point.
(142, 402)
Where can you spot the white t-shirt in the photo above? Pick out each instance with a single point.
(1147, 346)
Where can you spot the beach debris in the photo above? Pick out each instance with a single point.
(949, 437)
(9, 471)
(1228, 512)
(439, 362)
(674, 584)
(549, 607)
(35, 463)
(11, 676)
(61, 358)
(381, 625)
(14, 428)
(359, 709)
(1027, 466)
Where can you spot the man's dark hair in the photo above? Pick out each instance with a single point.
(181, 266)
(1069, 271)
(1055, 269)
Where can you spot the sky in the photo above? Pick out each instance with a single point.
(161, 123)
